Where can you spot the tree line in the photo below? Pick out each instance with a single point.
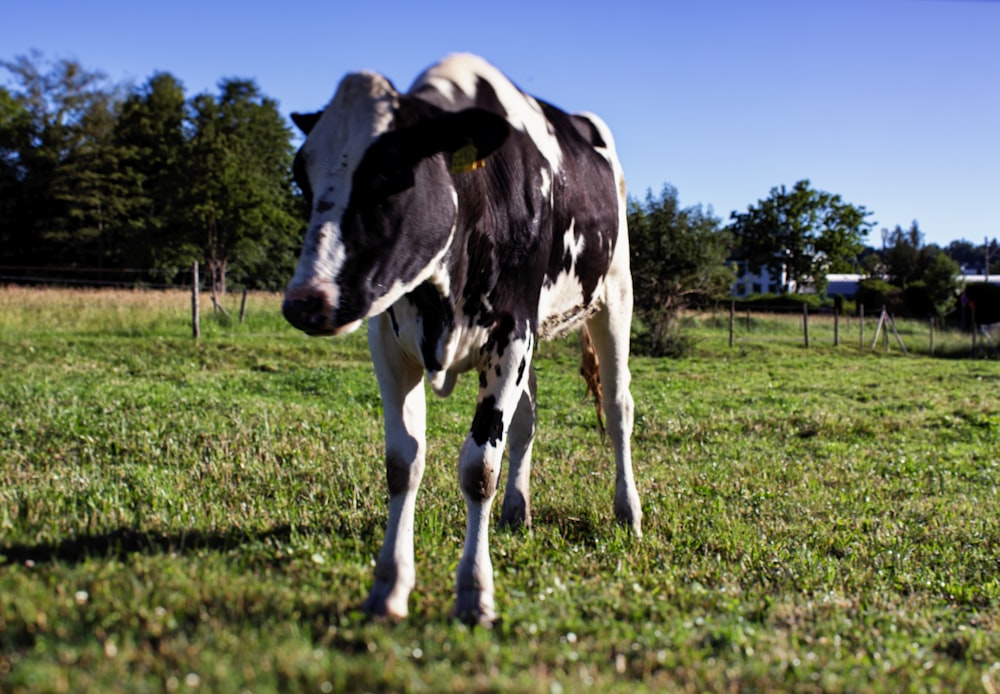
(684, 256)
(136, 183)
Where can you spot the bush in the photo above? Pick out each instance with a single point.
(677, 257)
(985, 299)
(783, 303)
(873, 294)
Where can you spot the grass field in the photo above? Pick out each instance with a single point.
(179, 515)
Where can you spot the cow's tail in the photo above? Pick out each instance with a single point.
(589, 365)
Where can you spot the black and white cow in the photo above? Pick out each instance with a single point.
(467, 220)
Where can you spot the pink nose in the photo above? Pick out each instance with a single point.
(310, 309)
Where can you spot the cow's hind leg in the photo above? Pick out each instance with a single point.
(516, 512)
(404, 407)
(609, 329)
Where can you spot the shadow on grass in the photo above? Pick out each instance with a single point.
(574, 529)
(123, 542)
(126, 541)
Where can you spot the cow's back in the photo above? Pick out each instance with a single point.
(547, 209)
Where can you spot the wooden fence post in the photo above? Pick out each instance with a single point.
(836, 328)
(885, 315)
(973, 316)
(932, 337)
(195, 309)
(805, 323)
(732, 321)
(243, 306)
(861, 326)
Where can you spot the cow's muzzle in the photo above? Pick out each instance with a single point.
(311, 310)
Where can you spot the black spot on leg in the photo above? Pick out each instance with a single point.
(487, 425)
(324, 206)
(520, 371)
(477, 483)
(498, 371)
(397, 474)
(482, 379)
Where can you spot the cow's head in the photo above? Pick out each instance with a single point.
(377, 172)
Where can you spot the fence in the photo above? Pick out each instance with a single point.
(96, 279)
(803, 326)
(868, 330)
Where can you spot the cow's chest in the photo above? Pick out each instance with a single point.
(445, 344)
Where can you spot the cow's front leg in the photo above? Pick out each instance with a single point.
(502, 381)
(401, 384)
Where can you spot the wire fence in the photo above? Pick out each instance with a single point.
(122, 278)
(867, 330)
(870, 330)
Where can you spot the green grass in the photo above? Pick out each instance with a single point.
(180, 515)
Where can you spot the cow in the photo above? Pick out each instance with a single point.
(466, 221)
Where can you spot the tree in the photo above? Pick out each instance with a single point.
(151, 137)
(65, 167)
(90, 178)
(15, 134)
(985, 256)
(677, 255)
(902, 255)
(965, 253)
(805, 232)
(926, 275)
(238, 186)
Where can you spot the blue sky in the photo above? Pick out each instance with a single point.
(893, 104)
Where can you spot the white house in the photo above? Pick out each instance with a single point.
(761, 283)
(845, 284)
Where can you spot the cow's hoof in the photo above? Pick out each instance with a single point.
(629, 513)
(515, 514)
(475, 608)
(387, 600)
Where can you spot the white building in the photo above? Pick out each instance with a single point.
(844, 284)
(761, 283)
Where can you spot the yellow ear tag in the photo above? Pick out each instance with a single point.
(466, 159)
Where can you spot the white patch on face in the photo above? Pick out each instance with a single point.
(324, 257)
(361, 110)
(523, 112)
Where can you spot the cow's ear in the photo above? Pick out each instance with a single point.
(306, 121)
(470, 136)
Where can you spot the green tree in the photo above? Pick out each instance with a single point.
(985, 256)
(805, 232)
(677, 255)
(66, 165)
(965, 253)
(242, 213)
(926, 275)
(902, 255)
(15, 134)
(150, 133)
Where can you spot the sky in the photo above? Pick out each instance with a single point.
(892, 104)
